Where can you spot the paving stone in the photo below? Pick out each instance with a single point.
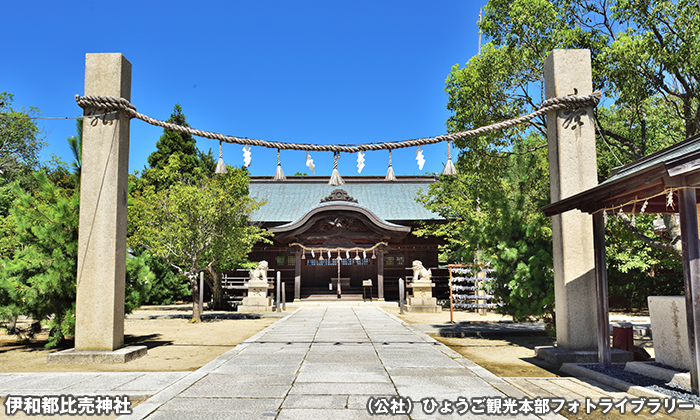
(355, 347)
(21, 381)
(324, 414)
(428, 371)
(438, 363)
(342, 358)
(248, 379)
(228, 390)
(359, 388)
(347, 377)
(316, 401)
(208, 415)
(359, 402)
(233, 368)
(418, 392)
(311, 367)
(51, 381)
(437, 381)
(152, 381)
(105, 381)
(223, 404)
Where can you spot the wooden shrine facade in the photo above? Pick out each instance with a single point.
(362, 229)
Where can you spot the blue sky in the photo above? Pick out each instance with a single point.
(323, 72)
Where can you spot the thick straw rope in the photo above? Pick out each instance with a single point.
(339, 249)
(109, 103)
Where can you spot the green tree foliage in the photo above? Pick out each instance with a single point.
(195, 224)
(39, 236)
(207, 163)
(504, 230)
(644, 59)
(19, 156)
(76, 147)
(167, 286)
(38, 273)
(193, 162)
(640, 271)
(20, 143)
(174, 143)
(39, 281)
(139, 280)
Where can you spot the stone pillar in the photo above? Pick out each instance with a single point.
(572, 169)
(297, 277)
(380, 276)
(103, 204)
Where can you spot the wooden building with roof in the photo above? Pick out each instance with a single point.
(364, 226)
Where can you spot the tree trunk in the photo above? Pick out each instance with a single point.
(196, 310)
(674, 246)
(217, 290)
(674, 231)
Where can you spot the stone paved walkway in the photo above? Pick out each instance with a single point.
(325, 363)
(317, 363)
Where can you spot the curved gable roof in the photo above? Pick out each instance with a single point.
(289, 200)
(343, 206)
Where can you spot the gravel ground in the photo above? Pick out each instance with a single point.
(658, 385)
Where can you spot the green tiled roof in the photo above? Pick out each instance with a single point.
(287, 201)
(686, 147)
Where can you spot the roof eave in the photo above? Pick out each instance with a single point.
(340, 206)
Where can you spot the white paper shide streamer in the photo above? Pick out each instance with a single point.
(246, 156)
(310, 164)
(360, 161)
(419, 158)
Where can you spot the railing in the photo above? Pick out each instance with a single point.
(233, 282)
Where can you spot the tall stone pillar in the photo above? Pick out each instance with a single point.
(103, 204)
(572, 169)
(297, 277)
(380, 276)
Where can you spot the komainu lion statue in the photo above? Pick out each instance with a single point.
(259, 275)
(420, 273)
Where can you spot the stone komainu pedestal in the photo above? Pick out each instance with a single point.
(422, 299)
(257, 300)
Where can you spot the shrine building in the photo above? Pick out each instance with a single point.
(362, 229)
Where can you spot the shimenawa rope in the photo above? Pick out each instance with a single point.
(110, 103)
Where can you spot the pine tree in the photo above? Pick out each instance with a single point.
(38, 270)
(173, 143)
(39, 281)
